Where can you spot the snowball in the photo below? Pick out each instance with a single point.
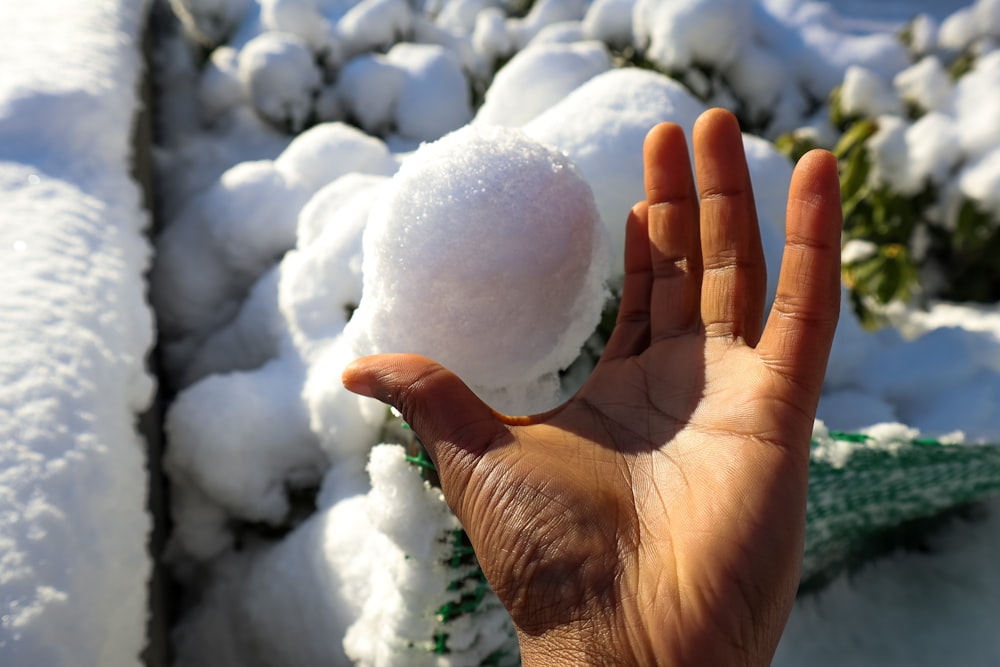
(455, 253)
(280, 77)
(434, 97)
(610, 21)
(864, 93)
(369, 88)
(538, 77)
(926, 84)
(325, 152)
(601, 127)
(676, 35)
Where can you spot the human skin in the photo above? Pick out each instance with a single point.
(657, 517)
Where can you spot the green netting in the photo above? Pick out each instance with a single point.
(860, 487)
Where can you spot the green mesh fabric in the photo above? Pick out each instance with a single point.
(860, 486)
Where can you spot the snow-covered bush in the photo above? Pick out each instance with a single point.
(921, 166)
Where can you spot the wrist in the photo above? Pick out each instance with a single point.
(595, 642)
(562, 647)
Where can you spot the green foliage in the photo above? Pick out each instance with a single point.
(879, 215)
(965, 255)
(968, 256)
(911, 239)
(794, 145)
(471, 593)
(962, 65)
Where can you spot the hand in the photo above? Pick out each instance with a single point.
(656, 518)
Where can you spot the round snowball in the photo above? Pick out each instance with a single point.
(488, 255)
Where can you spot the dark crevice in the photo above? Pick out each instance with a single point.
(161, 588)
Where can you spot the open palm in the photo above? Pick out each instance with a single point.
(658, 516)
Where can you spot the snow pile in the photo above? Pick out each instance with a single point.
(440, 237)
(74, 334)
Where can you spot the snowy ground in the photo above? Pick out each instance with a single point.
(74, 332)
(272, 244)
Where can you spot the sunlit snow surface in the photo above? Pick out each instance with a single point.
(74, 331)
(262, 262)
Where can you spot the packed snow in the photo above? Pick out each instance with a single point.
(457, 185)
(458, 210)
(74, 334)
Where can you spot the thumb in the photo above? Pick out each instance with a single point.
(451, 421)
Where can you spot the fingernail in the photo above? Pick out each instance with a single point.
(357, 386)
